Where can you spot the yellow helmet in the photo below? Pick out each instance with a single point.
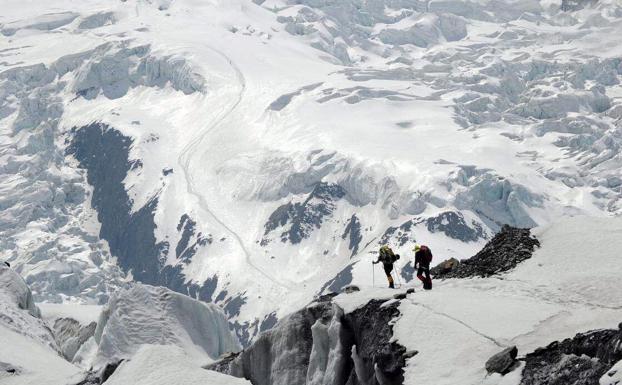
(417, 247)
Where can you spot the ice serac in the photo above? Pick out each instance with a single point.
(18, 310)
(47, 22)
(321, 344)
(146, 314)
(39, 186)
(15, 289)
(113, 69)
(70, 335)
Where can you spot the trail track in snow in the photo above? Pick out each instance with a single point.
(471, 328)
(195, 143)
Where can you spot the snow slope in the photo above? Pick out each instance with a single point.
(567, 287)
(165, 365)
(253, 154)
(34, 362)
(455, 328)
(449, 333)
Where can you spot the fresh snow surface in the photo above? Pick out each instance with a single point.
(500, 111)
(167, 365)
(37, 364)
(155, 315)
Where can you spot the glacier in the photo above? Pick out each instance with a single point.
(255, 154)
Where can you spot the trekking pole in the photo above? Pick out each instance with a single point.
(397, 279)
(373, 276)
(397, 274)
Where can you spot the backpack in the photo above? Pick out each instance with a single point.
(427, 253)
(387, 255)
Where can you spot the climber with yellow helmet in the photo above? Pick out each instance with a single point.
(423, 257)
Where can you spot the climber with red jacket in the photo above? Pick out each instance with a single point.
(423, 257)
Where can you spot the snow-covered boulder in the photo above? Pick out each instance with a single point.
(155, 315)
(502, 362)
(166, 365)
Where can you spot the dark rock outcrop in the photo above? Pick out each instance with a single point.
(503, 362)
(101, 376)
(9, 368)
(580, 360)
(453, 225)
(401, 235)
(408, 271)
(339, 281)
(104, 153)
(353, 232)
(575, 5)
(351, 289)
(503, 252)
(358, 345)
(446, 266)
(298, 220)
(372, 333)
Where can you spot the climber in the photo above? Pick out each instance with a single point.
(387, 257)
(7, 264)
(423, 257)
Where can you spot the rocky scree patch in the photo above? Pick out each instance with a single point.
(502, 253)
(581, 360)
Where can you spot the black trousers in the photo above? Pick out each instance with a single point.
(388, 268)
(423, 273)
